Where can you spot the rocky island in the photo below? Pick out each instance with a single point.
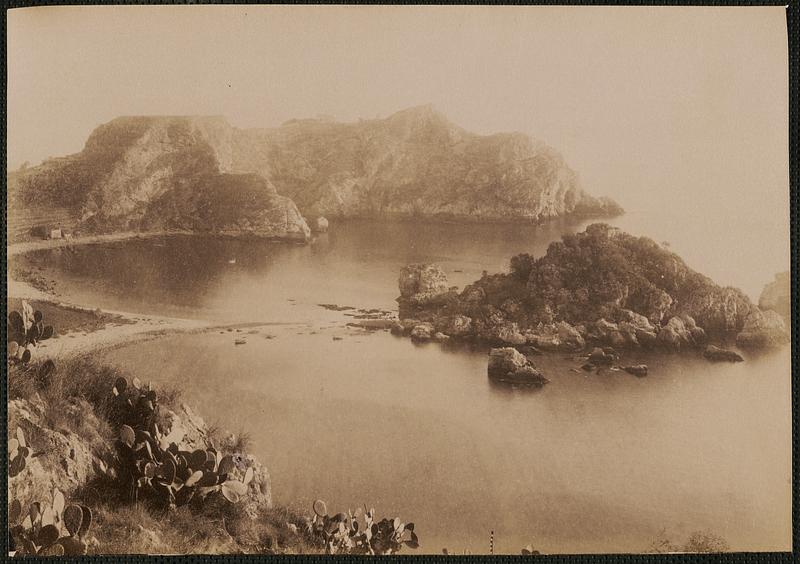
(601, 287)
(200, 174)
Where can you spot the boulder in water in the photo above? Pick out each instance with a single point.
(509, 365)
(606, 355)
(636, 369)
(718, 354)
(422, 282)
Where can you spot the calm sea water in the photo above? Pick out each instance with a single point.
(590, 463)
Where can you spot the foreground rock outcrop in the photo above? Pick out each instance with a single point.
(411, 164)
(72, 455)
(601, 287)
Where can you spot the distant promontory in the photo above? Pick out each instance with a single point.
(200, 173)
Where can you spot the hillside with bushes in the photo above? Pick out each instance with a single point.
(601, 285)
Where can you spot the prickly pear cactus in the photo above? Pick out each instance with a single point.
(359, 533)
(25, 329)
(49, 529)
(18, 453)
(155, 465)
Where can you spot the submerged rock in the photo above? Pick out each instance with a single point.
(509, 365)
(718, 354)
(606, 355)
(636, 369)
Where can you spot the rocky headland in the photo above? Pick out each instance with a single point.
(598, 288)
(153, 173)
(777, 296)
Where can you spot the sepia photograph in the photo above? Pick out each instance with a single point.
(416, 280)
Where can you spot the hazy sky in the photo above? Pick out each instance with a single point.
(685, 107)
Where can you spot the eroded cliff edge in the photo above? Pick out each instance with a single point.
(200, 173)
(160, 173)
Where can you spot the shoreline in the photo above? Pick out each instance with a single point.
(22, 247)
(134, 327)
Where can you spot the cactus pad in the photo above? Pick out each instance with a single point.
(119, 386)
(72, 546)
(14, 512)
(226, 465)
(47, 535)
(194, 478)
(58, 501)
(73, 518)
(127, 435)
(168, 471)
(197, 459)
(86, 523)
(229, 493)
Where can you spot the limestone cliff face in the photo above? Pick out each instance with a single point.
(414, 163)
(138, 173)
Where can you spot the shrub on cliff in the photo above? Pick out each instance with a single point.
(522, 265)
(597, 272)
